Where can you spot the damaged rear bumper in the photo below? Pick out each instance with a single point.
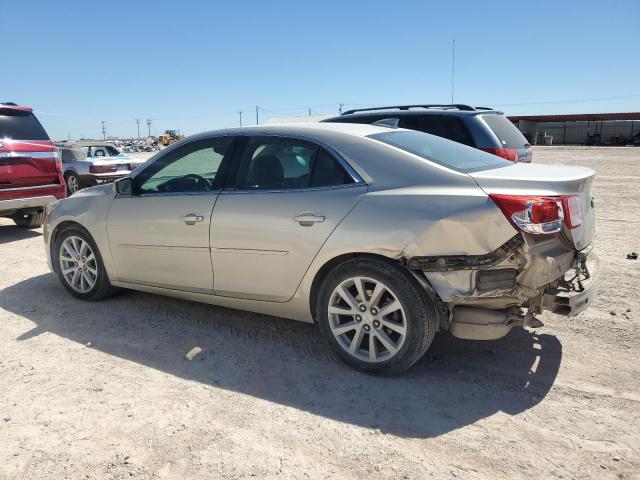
(575, 294)
(488, 295)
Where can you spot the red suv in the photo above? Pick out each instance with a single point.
(30, 167)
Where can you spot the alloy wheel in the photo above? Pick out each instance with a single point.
(78, 264)
(72, 184)
(367, 319)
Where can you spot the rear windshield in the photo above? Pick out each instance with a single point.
(507, 132)
(21, 127)
(441, 151)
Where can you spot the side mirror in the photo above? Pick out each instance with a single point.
(123, 186)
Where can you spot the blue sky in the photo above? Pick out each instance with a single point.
(191, 65)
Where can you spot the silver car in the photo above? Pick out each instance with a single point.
(87, 164)
(381, 236)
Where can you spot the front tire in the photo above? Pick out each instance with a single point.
(79, 266)
(375, 315)
(30, 219)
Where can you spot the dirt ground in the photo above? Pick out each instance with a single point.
(104, 390)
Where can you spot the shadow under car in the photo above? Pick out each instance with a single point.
(287, 362)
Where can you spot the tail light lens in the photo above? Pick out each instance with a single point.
(510, 154)
(540, 215)
(58, 160)
(573, 211)
(103, 168)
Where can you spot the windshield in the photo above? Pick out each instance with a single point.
(507, 133)
(441, 151)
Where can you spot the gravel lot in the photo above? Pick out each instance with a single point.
(104, 390)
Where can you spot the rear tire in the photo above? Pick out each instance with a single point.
(74, 250)
(29, 219)
(73, 183)
(382, 308)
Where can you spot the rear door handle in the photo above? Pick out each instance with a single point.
(191, 218)
(308, 219)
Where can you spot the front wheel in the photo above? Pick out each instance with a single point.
(375, 315)
(79, 266)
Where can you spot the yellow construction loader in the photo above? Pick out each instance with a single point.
(169, 137)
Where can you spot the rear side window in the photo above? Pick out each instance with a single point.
(441, 151)
(445, 126)
(507, 133)
(286, 164)
(21, 127)
(71, 154)
(327, 171)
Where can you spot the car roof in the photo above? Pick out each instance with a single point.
(18, 108)
(396, 112)
(303, 129)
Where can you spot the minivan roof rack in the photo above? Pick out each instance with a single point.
(456, 106)
(9, 103)
(483, 108)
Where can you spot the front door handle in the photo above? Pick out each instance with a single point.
(191, 218)
(308, 219)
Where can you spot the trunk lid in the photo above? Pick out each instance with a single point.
(546, 180)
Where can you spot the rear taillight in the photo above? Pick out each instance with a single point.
(572, 211)
(58, 157)
(510, 154)
(103, 168)
(540, 215)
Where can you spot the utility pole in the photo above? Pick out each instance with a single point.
(257, 114)
(309, 112)
(138, 122)
(104, 130)
(340, 108)
(453, 65)
(240, 113)
(149, 125)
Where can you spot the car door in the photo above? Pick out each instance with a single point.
(288, 196)
(159, 235)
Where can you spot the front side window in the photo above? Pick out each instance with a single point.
(276, 164)
(97, 152)
(192, 168)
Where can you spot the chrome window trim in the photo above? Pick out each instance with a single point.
(169, 194)
(232, 191)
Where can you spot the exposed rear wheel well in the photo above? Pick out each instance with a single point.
(333, 263)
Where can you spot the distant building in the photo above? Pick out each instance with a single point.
(580, 128)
